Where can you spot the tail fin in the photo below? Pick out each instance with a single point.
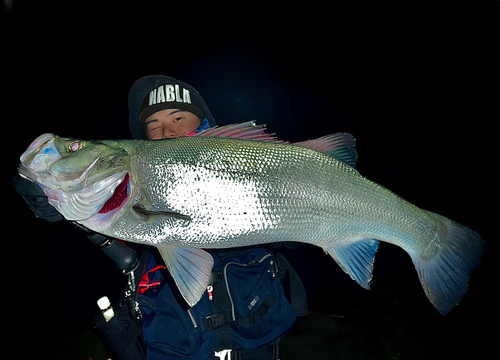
(444, 273)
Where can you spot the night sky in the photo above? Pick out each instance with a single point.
(416, 82)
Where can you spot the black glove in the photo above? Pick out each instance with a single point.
(124, 257)
(36, 199)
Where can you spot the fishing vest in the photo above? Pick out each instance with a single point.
(252, 300)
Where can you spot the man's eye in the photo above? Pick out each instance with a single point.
(154, 130)
(177, 119)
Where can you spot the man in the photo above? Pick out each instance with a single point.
(162, 107)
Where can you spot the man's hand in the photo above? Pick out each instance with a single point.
(36, 199)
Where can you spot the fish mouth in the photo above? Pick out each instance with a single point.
(36, 160)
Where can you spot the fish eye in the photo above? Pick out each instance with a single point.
(75, 146)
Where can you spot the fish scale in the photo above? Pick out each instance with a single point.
(211, 191)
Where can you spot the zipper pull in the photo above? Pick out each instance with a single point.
(210, 290)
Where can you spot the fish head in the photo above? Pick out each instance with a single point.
(77, 176)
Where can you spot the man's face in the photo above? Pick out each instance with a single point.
(171, 123)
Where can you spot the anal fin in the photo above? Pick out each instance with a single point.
(356, 259)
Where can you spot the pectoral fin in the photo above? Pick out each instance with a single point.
(149, 214)
(190, 268)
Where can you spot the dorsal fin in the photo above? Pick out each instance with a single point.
(248, 130)
(339, 146)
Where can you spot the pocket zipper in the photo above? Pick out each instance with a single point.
(193, 320)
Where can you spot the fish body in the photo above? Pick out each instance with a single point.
(284, 193)
(217, 191)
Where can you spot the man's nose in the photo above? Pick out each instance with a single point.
(169, 133)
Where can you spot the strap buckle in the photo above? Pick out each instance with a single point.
(215, 321)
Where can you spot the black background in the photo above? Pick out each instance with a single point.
(416, 82)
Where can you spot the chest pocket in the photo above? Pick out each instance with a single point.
(258, 309)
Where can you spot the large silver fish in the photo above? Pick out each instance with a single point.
(235, 186)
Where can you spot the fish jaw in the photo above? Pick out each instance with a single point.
(37, 159)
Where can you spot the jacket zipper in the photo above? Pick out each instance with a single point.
(233, 315)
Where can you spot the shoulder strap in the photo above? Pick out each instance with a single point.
(296, 292)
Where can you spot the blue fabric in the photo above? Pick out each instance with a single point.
(205, 125)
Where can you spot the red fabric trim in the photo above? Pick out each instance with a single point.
(145, 283)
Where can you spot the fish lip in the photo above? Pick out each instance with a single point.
(35, 162)
(35, 147)
(25, 172)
